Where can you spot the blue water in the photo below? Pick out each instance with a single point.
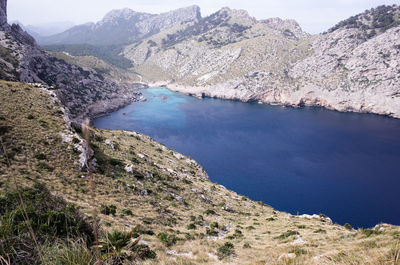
(307, 160)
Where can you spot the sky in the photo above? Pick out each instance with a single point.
(314, 16)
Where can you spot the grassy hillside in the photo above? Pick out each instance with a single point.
(145, 189)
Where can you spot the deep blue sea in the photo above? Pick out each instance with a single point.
(307, 160)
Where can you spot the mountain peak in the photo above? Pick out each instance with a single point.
(117, 14)
(191, 12)
(289, 26)
(239, 15)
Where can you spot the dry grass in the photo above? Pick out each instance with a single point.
(166, 192)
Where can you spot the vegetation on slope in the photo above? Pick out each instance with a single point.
(110, 54)
(145, 190)
(372, 22)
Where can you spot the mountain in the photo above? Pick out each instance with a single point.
(122, 27)
(52, 28)
(229, 54)
(85, 92)
(42, 30)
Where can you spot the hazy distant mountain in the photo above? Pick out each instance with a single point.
(40, 31)
(51, 28)
(123, 27)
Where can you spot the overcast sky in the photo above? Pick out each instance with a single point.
(314, 16)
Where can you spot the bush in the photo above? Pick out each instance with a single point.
(370, 232)
(209, 212)
(144, 252)
(116, 241)
(211, 232)
(226, 250)
(214, 225)
(127, 212)
(246, 245)
(51, 219)
(116, 162)
(191, 226)
(167, 239)
(30, 117)
(107, 210)
(141, 230)
(237, 234)
(348, 227)
(298, 251)
(44, 166)
(40, 156)
(287, 234)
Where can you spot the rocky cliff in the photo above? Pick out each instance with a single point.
(122, 27)
(353, 67)
(3, 12)
(85, 92)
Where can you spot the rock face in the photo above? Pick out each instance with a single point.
(353, 67)
(83, 91)
(122, 27)
(3, 12)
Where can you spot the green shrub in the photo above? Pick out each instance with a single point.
(287, 234)
(144, 252)
(348, 226)
(127, 212)
(30, 117)
(116, 162)
(298, 251)
(116, 241)
(237, 234)
(321, 231)
(211, 231)
(191, 226)
(141, 230)
(214, 225)
(167, 239)
(51, 218)
(40, 156)
(209, 212)
(107, 210)
(246, 245)
(370, 232)
(226, 250)
(44, 166)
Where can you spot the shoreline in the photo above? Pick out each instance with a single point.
(201, 93)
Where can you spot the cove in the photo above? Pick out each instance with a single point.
(308, 160)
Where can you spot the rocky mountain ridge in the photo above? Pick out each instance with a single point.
(231, 55)
(83, 91)
(122, 27)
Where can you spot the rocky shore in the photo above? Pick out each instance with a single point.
(348, 102)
